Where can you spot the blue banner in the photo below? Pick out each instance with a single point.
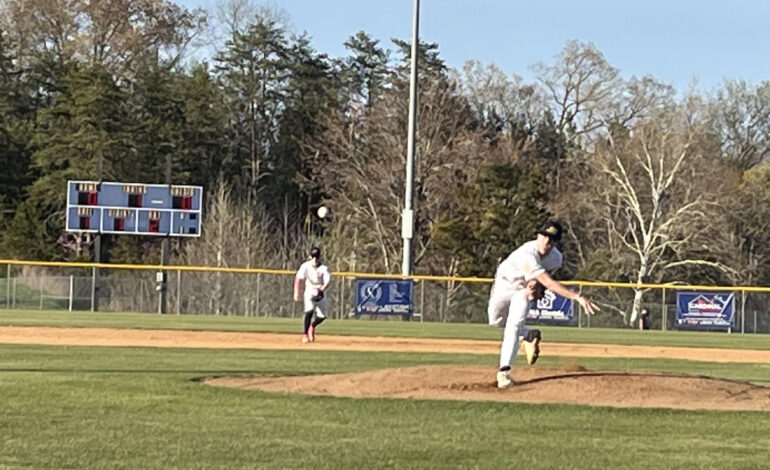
(383, 297)
(552, 308)
(705, 310)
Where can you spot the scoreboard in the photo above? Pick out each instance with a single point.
(138, 209)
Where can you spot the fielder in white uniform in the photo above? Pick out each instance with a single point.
(317, 277)
(512, 292)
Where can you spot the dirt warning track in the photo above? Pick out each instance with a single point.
(240, 340)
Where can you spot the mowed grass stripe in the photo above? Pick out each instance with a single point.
(91, 407)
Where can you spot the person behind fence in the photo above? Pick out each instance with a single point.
(644, 319)
(521, 278)
(317, 277)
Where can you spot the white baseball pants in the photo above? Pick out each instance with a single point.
(319, 308)
(508, 306)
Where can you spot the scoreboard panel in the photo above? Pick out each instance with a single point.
(138, 209)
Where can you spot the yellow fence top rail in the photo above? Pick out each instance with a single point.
(417, 277)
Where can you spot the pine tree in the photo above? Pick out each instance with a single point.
(85, 125)
(203, 157)
(365, 73)
(310, 93)
(253, 72)
(157, 116)
(498, 211)
(16, 116)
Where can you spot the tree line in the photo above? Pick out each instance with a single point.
(652, 183)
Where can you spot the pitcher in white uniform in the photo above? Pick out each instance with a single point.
(511, 294)
(317, 277)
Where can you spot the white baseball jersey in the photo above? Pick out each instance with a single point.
(314, 276)
(525, 264)
(508, 302)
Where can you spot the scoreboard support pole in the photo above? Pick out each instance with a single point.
(97, 246)
(163, 278)
(163, 297)
(95, 273)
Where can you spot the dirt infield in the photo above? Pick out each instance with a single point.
(569, 384)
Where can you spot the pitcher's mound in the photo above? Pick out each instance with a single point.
(573, 385)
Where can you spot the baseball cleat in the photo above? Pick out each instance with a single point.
(532, 346)
(305, 338)
(311, 334)
(504, 379)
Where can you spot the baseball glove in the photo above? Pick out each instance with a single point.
(536, 290)
(319, 295)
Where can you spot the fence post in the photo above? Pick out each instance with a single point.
(179, 292)
(72, 291)
(743, 311)
(441, 307)
(93, 289)
(580, 312)
(259, 288)
(293, 304)
(663, 311)
(335, 312)
(580, 309)
(8, 287)
(40, 288)
(422, 300)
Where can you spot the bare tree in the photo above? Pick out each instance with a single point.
(111, 32)
(236, 16)
(741, 119)
(359, 164)
(747, 242)
(638, 100)
(41, 25)
(581, 87)
(234, 235)
(655, 192)
(492, 93)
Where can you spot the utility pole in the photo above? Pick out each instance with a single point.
(407, 217)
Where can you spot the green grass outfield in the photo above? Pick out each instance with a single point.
(118, 407)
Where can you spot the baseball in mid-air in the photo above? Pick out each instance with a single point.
(322, 212)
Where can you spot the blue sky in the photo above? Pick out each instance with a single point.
(675, 40)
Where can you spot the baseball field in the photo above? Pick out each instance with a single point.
(106, 390)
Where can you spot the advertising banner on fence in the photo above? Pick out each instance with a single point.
(705, 310)
(383, 297)
(552, 308)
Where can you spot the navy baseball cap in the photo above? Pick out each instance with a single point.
(552, 230)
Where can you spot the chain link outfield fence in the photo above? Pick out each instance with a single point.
(268, 293)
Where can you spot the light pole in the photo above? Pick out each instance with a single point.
(407, 217)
